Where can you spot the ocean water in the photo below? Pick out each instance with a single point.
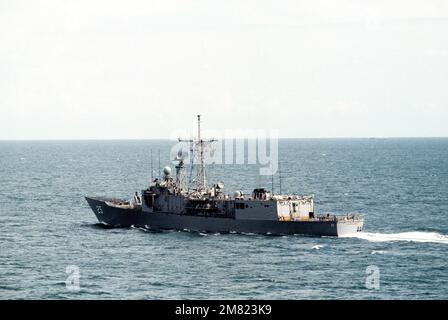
(400, 185)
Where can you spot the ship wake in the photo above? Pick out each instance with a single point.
(414, 236)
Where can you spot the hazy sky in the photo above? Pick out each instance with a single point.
(141, 69)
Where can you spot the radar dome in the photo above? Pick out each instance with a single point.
(167, 171)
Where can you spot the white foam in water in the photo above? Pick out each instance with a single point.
(378, 252)
(415, 236)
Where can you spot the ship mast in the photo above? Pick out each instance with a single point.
(201, 179)
(199, 148)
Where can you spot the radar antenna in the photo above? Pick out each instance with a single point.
(200, 146)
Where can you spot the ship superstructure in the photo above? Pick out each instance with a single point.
(191, 204)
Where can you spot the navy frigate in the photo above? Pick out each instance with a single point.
(172, 203)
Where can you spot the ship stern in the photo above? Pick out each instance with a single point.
(350, 226)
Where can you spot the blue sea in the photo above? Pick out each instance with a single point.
(400, 185)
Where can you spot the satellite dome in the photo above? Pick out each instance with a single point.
(167, 171)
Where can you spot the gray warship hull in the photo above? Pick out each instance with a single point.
(125, 217)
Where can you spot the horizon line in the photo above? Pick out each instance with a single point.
(237, 138)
